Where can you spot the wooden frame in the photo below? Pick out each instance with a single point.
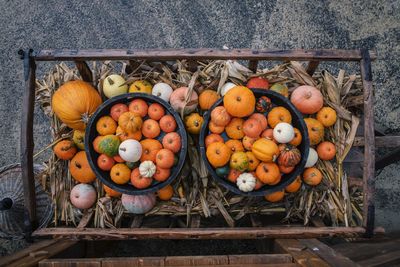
(364, 58)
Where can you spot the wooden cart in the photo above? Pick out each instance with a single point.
(258, 231)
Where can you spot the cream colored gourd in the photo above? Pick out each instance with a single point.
(162, 90)
(226, 87)
(246, 182)
(312, 158)
(114, 85)
(130, 150)
(147, 168)
(283, 133)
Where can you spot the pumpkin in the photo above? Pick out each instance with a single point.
(268, 173)
(220, 116)
(150, 147)
(252, 128)
(233, 175)
(161, 174)
(125, 136)
(275, 197)
(118, 159)
(120, 173)
(130, 122)
(253, 161)
(140, 86)
(193, 123)
(132, 165)
(264, 104)
(258, 83)
(162, 90)
(105, 162)
(262, 120)
(239, 161)
(327, 116)
(96, 142)
(106, 125)
(285, 169)
(212, 138)
(234, 145)
(246, 182)
(215, 128)
(280, 88)
(165, 193)
(226, 87)
(312, 158)
(269, 134)
(207, 98)
(222, 171)
(114, 85)
(289, 156)
(138, 106)
(130, 150)
(277, 115)
(150, 128)
(218, 154)
(294, 186)
(240, 102)
(110, 192)
(326, 150)
(283, 133)
(109, 145)
(297, 137)
(178, 100)
(315, 130)
(307, 99)
(165, 158)
(234, 129)
(265, 150)
(312, 176)
(156, 111)
(248, 142)
(147, 168)
(79, 139)
(80, 169)
(65, 150)
(139, 181)
(83, 196)
(117, 110)
(172, 141)
(168, 123)
(138, 204)
(259, 184)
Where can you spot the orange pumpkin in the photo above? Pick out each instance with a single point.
(130, 122)
(106, 125)
(258, 83)
(234, 129)
(161, 174)
(212, 138)
(156, 111)
(326, 150)
(252, 128)
(120, 173)
(265, 150)
(139, 106)
(96, 143)
(125, 136)
(239, 101)
(289, 155)
(268, 173)
(215, 128)
(165, 193)
(275, 197)
(168, 123)
(277, 115)
(65, 149)
(207, 98)
(118, 159)
(220, 116)
(193, 123)
(294, 186)
(234, 145)
(233, 175)
(150, 128)
(139, 181)
(74, 102)
(269, 134)
(307, 99)
(297, 137)
(172, 141)
(150, 148)
(285, 169)
(218, 154)
(312, 176)
(327, 116)
(110, 192)
(262, 120)
(165, 158)
(253, 161)
(80, 169)
(248, 142)
(315, 130)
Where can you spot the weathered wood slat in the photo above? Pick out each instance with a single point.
(386, 259)
(73, 263)
(380, 141)
(391, 157)
(199, 54)
(259, 259)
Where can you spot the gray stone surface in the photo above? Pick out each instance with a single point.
(186, 24)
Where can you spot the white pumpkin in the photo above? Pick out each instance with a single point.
(162, 90)
(312, 158)
(138, 204)
(226, 87)
(130, 150)
(283, 132)
(147, 169)
(114, 85)
(246, 182)
(83, 196)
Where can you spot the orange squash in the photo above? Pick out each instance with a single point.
(168, 123)
(234, 129)
(220, 116)
(275, 197)
(212, 138)
(268, 173)
(156, 111)
(165, 193)
(307, 99)
(253, 161)
(315, 130)
(207, 98)
(65, 149)
(165, 158)
(262, 120)
(265, 150)
(96, 143)
(285, 169)
(258, 83)
(161, 174)
(150, 147)
(248, 142)
(139, 181)
(74, 102)
(172, 141)
(326, 150)
(130, 122)
(215, 128)
(252, 128)
(327, 116)
(312, 176)
(294, 186)
(80, 169)
(277, 115)
(297, 137)
(106, 125)
(110, 192)
(239, 101)
(218, 154)
(234, 145)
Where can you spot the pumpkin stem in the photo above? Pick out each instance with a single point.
(308, 95)
(110, 81)
(78, 165)
(196, 123)
(238, 98)
(85, 118)
(66, 148)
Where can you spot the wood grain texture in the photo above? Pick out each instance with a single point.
(380, 141)
(71, 263)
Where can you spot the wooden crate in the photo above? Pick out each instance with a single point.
(259, 230)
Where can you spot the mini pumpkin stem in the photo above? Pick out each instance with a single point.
(308, 95)
(110, 81)
(122, 149)
(66, 148)
(79, 166)
(196, 123)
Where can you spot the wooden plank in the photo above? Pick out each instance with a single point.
(380, 141)
(253, 65)
(203, 233)
(300, 253)
(196, 260)
(327, 253)
(200, 54)
(382, 260)
(259, 259)
(311, 67)
(120, 262)
(84, 71)
(388, 159)
(137, 221)
(369, 147)
(70, 263)
(195, 221)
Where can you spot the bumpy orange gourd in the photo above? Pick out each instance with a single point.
(312, 176)
(265, 150)
(239, 101)
(297, 137)
(326, 150)
(315, 130)
(125, 136)
(130, 122)
(307, 99)
(106, 125)
(327, 116)
(218, 154)
(234, 129)
(80, 168)
(74, 102)
(234, 145)
(220, 116)
(269, 134)
(277, 115)
(207, 98)
(65, 149)
(248, 142)
(150, 147)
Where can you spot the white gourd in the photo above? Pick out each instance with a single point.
(226, 87)
(130, 150)
(312, 158)
(283, 132)
(162, 90)
(114, 85)
(246, 182)
(147, 169)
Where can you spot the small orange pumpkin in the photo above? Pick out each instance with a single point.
(110, 192)
(277, 115)
(220, 116)
(120, 173)
(156, 111)
(172, 141)
(168, 123)
(307, 99)
(294, 186)
(218, 154)
(233, 175)
(212, 138)
(239, 101)
(326, 150)
(150, 128)
(207, 98)
(297, 137)
(275, 197)
(165, 193)
(215, 128)
(234, 129)
(65, 149)
(234, 145)
(312, 176)
(138, 106)
(165, 158)
(80, 168)
(315, 130)
(265, 150)
(268, 173)
(125, 136)
(262, 120)
(252, 128)
(161, 174)
(193, 123)
(248, 142)
(106, 125)
(327, 116)
(139, 181)
(150, 147)
(253, 161)
(269, 134)
(97, 141)
(285, 169)
(289, 155)
(130, 122)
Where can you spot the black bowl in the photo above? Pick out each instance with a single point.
(91, 133)
(297, 121)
